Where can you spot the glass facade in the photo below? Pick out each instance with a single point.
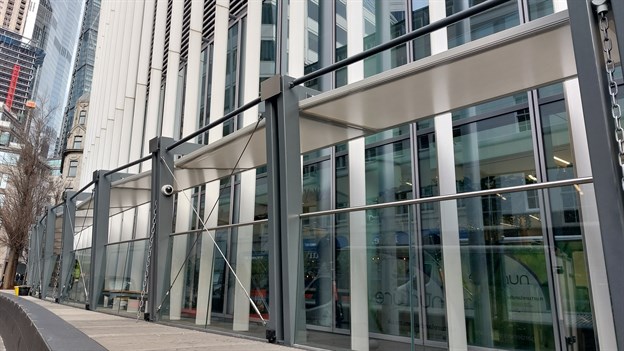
(520, 270)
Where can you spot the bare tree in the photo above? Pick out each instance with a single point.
(30, 186)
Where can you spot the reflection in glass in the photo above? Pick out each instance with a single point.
(341, 41)
(125, 266)
(493, 153)
(565, 214)
(539, 8)
(489, 22)
(420, 18)
(389, 234)
(384, 21)
(432, 263)
(231, 77)
(505, 276)
(78, 280)
(318, 244)
(388, 172)
(490, 106)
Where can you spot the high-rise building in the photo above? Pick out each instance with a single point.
(437, 195)
(83, 67)
(59, 46)
(13, 14)
(20, 63)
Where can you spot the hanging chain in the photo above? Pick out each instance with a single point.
(148, 259)
(616, 110)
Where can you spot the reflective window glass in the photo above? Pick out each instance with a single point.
(493, 153)
(505, 274)
(489, 22)
(383, 21)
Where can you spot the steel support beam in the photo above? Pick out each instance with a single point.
(602, 148)
(67, 244)
(161, 224)
(39, 230)
(30, 271)
(101, 208)
(287, 309)
(48, 251)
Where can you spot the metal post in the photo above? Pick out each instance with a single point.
(284, 204)
(99, 238)
(31, 255)
(67, 255)
(602, 148)
(48, 251)
(39, 254)
(161, 224)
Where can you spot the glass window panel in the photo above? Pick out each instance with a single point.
(540, 8)
(493, 153)
(342, 181)
(505, 275)
(123, 280)
(268, 39)
(383, 21)
(557, 148)
(317, 186)
(432, 263)
(341, 41)
(231, 77)
(388, 172)
(551, 90)
(571, 269)
(489, 22)
(78, 280)
(388, 134)
(567, 227)
(420, 18)
(392, 274)
(490, 106)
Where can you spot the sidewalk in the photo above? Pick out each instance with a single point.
(119, 333)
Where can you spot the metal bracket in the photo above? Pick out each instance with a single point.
(601, 6)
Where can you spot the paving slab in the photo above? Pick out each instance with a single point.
(120, 333)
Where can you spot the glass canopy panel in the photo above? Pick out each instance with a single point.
(516, 59)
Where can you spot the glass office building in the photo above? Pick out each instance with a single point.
(441, 196)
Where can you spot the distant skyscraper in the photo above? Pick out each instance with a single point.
(13, 14)
(19, 64)
(59, 46)
(83, 67)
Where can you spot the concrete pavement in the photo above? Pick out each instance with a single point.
(119, 333)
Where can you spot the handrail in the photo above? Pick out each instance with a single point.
(225, 226)
(431, 27)
(211, 125)
(128, 165)
(511, 189)
(81, 190)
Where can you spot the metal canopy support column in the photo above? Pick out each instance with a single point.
(284, 205)
(67, 245)
(32, 236)
(48, 251)
(39, 254)
(602, 147)
(161, 223)
(102, 188)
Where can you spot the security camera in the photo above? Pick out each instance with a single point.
(167, 190)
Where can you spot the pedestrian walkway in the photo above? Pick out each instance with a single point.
(119, 333)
